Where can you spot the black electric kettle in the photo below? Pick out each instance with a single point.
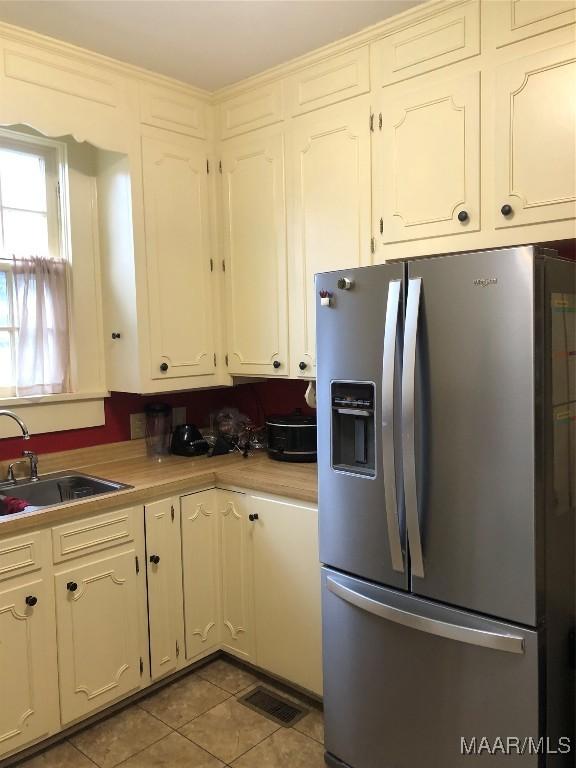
(187, 440)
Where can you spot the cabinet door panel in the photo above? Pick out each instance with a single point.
(255, 244)
(235, 548)
(164, 585)
(514, 20)
(287, 591)
(331, 211)
(536, 138)
(98, 642)
(428, 167)
(28, 678)
(201, 577)
(178, 256)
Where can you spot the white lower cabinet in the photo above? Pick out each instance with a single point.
(201, 573)
(287, 590)
(236, 570)
(28, 670)
(164, 571)
(98, 632)
(162, 585)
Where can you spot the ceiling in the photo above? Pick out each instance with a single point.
(208, 43)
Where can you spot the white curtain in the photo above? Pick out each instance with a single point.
(40, 294)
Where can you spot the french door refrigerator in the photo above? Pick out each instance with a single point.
(446, 394)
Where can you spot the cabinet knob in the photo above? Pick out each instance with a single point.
(164, 367)
(31, 601)
(276, 363)
(71, 586)
(463, 216)
(155, 559)
(116, 335)
(253, 517)
(506, 210)
(302, 365)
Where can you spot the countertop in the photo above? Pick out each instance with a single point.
(152, 480)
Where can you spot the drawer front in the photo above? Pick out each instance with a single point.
(441, 39)
(93, 534)
(173, 110)
(22, 554)
(339, 78)
(251, 110)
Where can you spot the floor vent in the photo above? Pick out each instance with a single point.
(273, 707)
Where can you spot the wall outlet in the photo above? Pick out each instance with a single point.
(178, 416)
(137, 426)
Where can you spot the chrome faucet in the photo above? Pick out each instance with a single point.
(28, 455)
(19, 421)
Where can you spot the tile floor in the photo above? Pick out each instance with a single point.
(196, 722)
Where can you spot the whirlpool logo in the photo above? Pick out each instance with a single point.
(485, 282)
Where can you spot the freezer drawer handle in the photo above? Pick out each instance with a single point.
(493, 640)
(408, 426)
(388, 453)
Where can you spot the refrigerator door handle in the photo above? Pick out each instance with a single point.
(462, 634)
(388, 452)
(409, 426)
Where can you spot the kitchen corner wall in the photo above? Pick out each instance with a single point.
(257, 400)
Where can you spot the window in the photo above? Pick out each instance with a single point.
(32, 267)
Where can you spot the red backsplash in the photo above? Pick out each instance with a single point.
(256, 400)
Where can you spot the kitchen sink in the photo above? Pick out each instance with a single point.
(59, 488)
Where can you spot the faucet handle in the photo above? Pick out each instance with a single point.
(33, 458)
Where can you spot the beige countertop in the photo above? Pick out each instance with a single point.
(127, 463)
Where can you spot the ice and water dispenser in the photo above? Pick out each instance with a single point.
(353, 428)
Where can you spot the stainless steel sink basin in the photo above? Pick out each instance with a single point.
(59, 488)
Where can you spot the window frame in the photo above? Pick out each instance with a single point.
(57, 216)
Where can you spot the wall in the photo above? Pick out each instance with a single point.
(256, 399)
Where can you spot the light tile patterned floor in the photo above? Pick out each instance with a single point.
(195, 722)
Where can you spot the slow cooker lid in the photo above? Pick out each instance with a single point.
(296, 418)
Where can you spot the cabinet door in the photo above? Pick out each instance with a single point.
(200, 573)
(236, 575)
(178, 257)
(428, 159)
(287, 591)
(28, 673)
(255, 248)
(164, 570)
(330, 206)
(535, 153)
(98, 643)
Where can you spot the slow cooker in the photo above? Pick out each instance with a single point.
(292, 437)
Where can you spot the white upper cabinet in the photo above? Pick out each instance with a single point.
(253, 109)
(513, 20)
(427, 161)
(178, 257)
(173, 109)
(535, 149)
(329, 211)
(254, 213)
(444, 36)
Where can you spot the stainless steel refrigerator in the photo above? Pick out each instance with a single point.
(446, 394)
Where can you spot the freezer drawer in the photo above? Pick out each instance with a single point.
(406, 679)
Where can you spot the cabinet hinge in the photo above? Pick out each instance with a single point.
(223, 266)
(380, 121)
(211, 265)
(372, 121)
(214, 359)
(177, 649)
(137, 563)
(172, 513)
(372, 245)
(141, 666)
(381, 226)
(207, 165)
(220, 166)
(226, 359)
